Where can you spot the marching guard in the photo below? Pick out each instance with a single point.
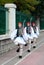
(19, 39)
(35, 34)
(24, 36)
(28, 35)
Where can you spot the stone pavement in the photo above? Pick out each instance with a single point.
(11, 57)
(35, 58)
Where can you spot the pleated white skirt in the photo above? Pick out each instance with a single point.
(19, 40)
(27, 36)
(34, 35)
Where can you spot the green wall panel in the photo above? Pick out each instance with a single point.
(21, 17)
(42, 23)
(2, 22)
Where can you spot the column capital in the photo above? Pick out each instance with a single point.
(10, 5)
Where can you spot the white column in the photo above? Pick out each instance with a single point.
(38, 23)
(12, 16)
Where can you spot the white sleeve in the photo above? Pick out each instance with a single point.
(13, 34)
(24, 30)
(37, 31)
(32, 31)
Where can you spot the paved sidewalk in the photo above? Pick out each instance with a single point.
(36, 58)
(11, 57)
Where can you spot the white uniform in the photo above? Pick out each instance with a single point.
(35, 35)
(37, 32)
(13, 34)
(27, 36)
(17, 40)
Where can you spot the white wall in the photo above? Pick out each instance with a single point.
(38, 23)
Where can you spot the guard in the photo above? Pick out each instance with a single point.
(35, 34)
(19, 39)
(27, 36)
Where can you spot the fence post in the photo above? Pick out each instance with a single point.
(12, 16)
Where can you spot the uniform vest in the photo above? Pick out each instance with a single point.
(34, 28)
(20, 32)
(28, 29)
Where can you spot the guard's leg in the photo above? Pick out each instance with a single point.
(29, 45)
(26, 43)
(18, 49)
(21, 51)
(34, 43)
(16, 43)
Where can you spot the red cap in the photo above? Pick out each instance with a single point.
(19, 22)
(33, 23)
(28, 22)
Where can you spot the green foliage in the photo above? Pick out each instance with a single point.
(2, 2)
(40, 8)
(26, 6)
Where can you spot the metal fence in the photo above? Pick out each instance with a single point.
(3, 20)
(42, 22)
(21, 17)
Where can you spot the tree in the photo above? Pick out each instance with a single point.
(2, 2)
(40, 8)
(26, 6)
